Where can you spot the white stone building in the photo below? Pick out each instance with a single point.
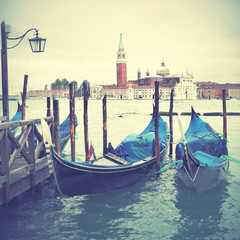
(186, 88)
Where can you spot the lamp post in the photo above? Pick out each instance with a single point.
(37, 45)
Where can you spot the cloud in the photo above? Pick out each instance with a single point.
(83, 36)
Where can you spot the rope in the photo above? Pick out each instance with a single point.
(76, 136)
(230, 158)
(194, 178)
(222, 136)
(177, 141)
(172, 163)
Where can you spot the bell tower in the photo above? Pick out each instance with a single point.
(121, 64)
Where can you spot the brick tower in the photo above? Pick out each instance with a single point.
(121, 64)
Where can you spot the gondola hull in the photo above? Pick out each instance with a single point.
(76, 179)
(64, 142)
(203, 179)
(205, 162)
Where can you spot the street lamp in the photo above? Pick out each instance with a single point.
(37, 45)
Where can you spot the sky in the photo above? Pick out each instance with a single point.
(200, 36)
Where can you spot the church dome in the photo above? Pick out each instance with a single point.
(163, 70)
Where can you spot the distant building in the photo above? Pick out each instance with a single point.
(121, 64)
(186, 88)
(234, 91)
(211, 90)
(144, 87)
(48, 93)
(96, 91)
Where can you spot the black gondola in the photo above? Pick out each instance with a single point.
(126, 165)
(203, 152)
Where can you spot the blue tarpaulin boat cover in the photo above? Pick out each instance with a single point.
(65, 128)
(206, 160)
(17, 117)
(201, 137)
(136, 147)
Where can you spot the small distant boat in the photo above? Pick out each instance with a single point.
(204, 154)
(126, 165)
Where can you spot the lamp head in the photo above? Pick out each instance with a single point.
(37, 44)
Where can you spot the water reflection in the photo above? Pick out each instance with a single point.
(100, 216)
(200, 213)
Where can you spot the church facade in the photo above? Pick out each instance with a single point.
(144, 87)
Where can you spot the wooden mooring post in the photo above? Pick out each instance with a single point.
(104, 101)
(48, 106)
(85, 119)
(171, 123)
(224, 113)
(56, 128)
(156, 124)
(72, 120)
(24, 97)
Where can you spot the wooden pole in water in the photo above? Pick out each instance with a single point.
(171, 123)
(104, 124)
(156, 117)
(24, 97)
(49, 114)
(224, 113)
(72, 120)
(48, 106)
(56, 128)
(85, 118)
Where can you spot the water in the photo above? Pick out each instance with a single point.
(160, 208)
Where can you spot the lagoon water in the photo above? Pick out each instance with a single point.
(156, 208)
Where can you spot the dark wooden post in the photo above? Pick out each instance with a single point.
(56, 128)
(72, 120)
(156, 115)
(224, 113)
(4, 72)
(104, 124)
(85, 117)
(171, 123)
(49, 114)
(24, 97)
(32, 156)
(48, 106)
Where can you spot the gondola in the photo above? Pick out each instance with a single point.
(18, 114)
(203, 152)
(16, 117)
(123, 166)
